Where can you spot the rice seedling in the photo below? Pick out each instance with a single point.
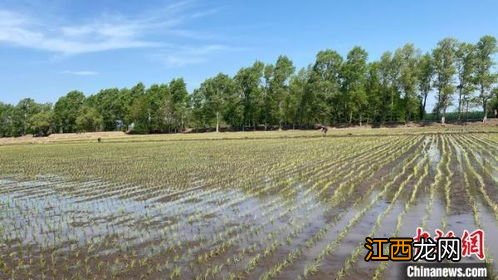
(226, 209)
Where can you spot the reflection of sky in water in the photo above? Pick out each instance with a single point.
(434, 155)
(36, 213)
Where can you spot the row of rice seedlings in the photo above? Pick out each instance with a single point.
(297, 229)
(468, 145)
(134, 191)
(96, 162)
(329, 248)
(434, 186)
(483, 147)
(470, 196)
(222, 236)
(379, 271)
(308, 189)
(297, 252)
(447, 155)
(351, 260)
(480, 179)
(153, 192)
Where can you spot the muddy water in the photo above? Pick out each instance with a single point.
(434, 155)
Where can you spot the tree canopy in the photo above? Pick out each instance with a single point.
(331, 90)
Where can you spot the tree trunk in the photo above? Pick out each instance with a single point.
(466, 111)
(407, 111)
(217, 121)
(360, 119)
(423, 106)
(485, 107)
(460, 104)
(438, 103)
(443, 118)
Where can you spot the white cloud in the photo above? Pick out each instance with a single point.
(81, 73)
(177, 56)
(107, 33)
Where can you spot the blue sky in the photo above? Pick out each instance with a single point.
(48, 48)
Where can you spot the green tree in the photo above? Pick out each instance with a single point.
(110, 104)
(89, 120)
(267, 95)
(179, 98)
(444, 68)
(280, 87)
(484, 78)
(42, 122)
(407, 58)
(322, 99)
(389, 75)
(465, 64)
(7, 116)
(292, 102)
(24, 110)
(374, 91)
(66, 111)
(212, 98)
(129, 98)
(158, 96)
(425, 75)
(354, 73)
(248, 83)
(139, 114)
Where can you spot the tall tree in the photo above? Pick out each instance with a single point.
(248, 82)
(25, 109)
(324, 87)
(111, 106)
(179, 98)
(425, 75)
(407, 58)
(465, 64)
(89, 120)
(485, 79)
(374, 91)
(212, 99)
(444, 68)
(41, 123)
(354, 74)
(7, 117)
(66, 111)
(297, 84)
(389, 75)
(158, 96)
(280, 86)
(267, 95)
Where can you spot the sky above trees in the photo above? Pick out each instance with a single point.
(48, 48)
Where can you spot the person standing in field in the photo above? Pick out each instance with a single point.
(323, 129)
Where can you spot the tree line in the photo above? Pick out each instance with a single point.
(332, 90)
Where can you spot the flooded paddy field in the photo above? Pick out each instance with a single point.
(281, 208)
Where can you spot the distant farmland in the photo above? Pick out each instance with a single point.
(262, 205)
